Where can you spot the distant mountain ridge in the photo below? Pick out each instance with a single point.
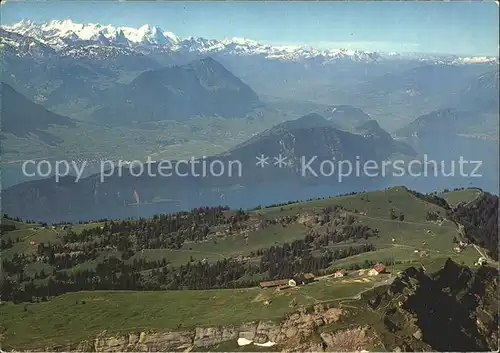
(309, 137)
(312, 120)
(149, 38)
(22, 117)
(449, 121)
(40, 58)
(201, 88)
(482, 94)
(312, 137)
(430, 80)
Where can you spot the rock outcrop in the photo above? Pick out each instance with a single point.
(452, 309)
(293, 331)
(406, 315)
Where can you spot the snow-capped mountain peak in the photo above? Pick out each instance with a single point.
(148, 34)
(57, 33)
(240, 41)
(117, 37)
(100, 38)
(62, 35)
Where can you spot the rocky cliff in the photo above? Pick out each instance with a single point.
(296, 330)
(452, 309)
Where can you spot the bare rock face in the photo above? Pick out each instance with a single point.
(269, 329)
(248, 331)
(261, 338)
(141, 342)
(303, 323)
(418, 334)
(110, 344)
(461, 300)
(209, 336)
(84, 346)
(290, 335)
(306, 347)
(347, 340)
(291, 332)
(332, 315)
(169, 340)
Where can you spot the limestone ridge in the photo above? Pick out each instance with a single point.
(417, 305)
(404, 316)
(287, 333)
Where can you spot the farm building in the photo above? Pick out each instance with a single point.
(303, 278)
(361, 272)
(339, 273)
(277, 283)
(379, 268)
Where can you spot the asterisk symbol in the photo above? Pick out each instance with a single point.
(262, 160)
(280, 161)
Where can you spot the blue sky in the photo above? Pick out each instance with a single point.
(463, 28)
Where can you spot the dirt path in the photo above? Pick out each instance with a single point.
(490, 260)
(34, 232)
(413, 247)
(375, 285)
(478, 194)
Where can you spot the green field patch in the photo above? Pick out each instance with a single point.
(77, 228)
(423, 236)
(461, 196)
(234, 245)
(376, 204)
(27, 235)
(73, 317)
(36, 267)
(177, 256)
(17, 224)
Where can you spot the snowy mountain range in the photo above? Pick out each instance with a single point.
(84, 40)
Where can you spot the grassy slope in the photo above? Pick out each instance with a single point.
(63, 320)
(456, 197)
(408, 234)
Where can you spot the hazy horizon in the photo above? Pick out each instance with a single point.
(454, 28)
